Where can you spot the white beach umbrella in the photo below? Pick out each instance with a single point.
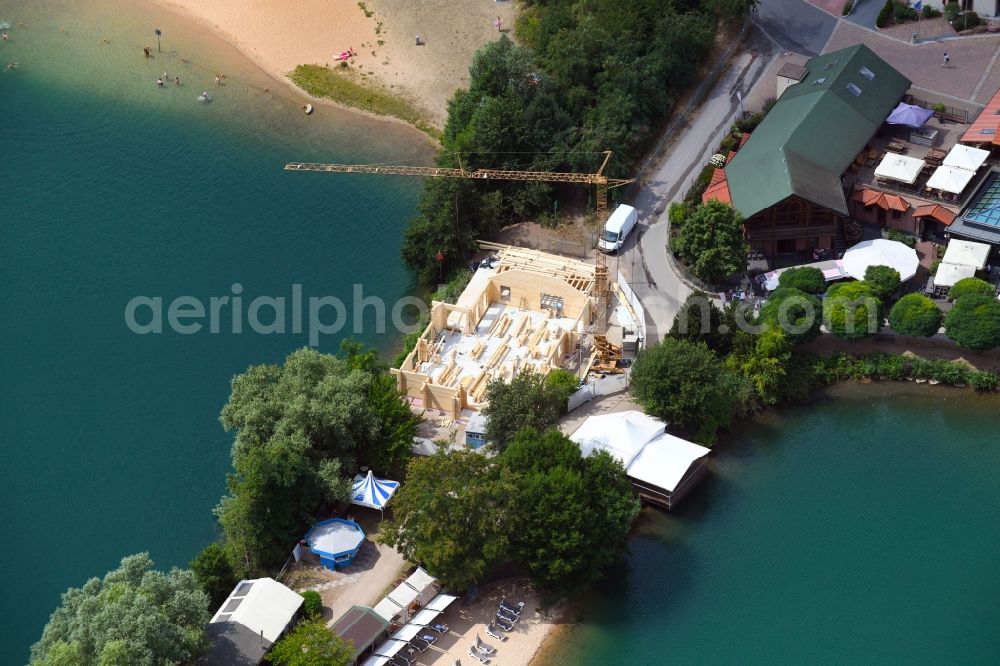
(881, 252)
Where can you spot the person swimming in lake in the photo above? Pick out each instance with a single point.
(159, 83)
(145, 50)
(177, 80)
(12, 65)
(3, 36)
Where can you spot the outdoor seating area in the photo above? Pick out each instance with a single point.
(962, 259)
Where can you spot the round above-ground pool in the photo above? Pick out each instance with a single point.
(336, 541)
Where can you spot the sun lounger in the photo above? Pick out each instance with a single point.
(484, 648)
(504, 623)
(515, 609)
(429, 638)
(399, 660)
(440, 628)
(494, 631)
(507, 615)
(481, 659)
(418, 645)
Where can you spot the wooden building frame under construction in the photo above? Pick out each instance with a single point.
(529, 311)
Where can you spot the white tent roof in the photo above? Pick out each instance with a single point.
(965, 157)
(967, 253)
(404, 595)
(664, 461)
(263, 606)
(387, 609)
(948, 274)
(441, 601)
(622, 434)
(950, 179)
(899, 167)
(425, 617)
(881, 252)
(422, 582)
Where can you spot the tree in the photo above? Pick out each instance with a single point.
(562, 384)
(311, 643)
(699, 320)
(570, 515)
(884, 280)
(134, 615)
(312, 604)
(916, 315)
(974, 322)
(527, 401)
(683, 383)
(967, 286)
(804, 278)
(797, 313)
(213, 573)
(711, 241)
(450, 516)
(852, 311)
(764, 363)
(335, 486)
(734, 10)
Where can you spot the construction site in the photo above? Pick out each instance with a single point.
(523, 310)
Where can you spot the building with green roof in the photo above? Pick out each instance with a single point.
(787, 180)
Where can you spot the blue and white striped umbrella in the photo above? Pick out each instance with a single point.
(371, 492)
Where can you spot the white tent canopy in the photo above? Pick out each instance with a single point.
(965, 157)
(403, 596)
(387, 609)
(622, 434)
(425, 617)
(967, 253)
(881, 252)
(371, 492)
(899, 167)
(664, 461)
(390, 647)
(950, 179)
(376, 660)
(948, 274)
(407, 632)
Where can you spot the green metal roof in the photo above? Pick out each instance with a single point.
(814, 131)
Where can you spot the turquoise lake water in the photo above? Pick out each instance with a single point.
(861, 530)
(111, 188)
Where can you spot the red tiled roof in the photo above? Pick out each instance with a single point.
(718, 188)
(885, 201)
(987, 120)
(743, 139)
(935, 211)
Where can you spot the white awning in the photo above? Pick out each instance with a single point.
(404, 595)
(387, 609)
(881, 252)
(950, 179)
(664, 461)
(425, 617)
(948, 274)
(375, 660)
(965, 157)
(967, 253)
(407, 632)
(899, 167)
(622, 434)
(441, 601)
(390, 647)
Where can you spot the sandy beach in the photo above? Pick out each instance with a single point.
(278, 35)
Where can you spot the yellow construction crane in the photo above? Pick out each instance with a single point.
(601, 183)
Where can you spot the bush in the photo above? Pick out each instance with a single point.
(970, 286)
(884, 280)
(677, 213)
(807, 279)
(698, 187)
(852, 311)
(750, 124)
(563, 384)
(983, 381)
(974, 322)
(902, 12)
(929, 12)
(968, 20)
(884, 15)
(916, 315)
(312, 604)
(901, 237)
(948, 372)
(848, 6)
(798, 313)
(939, 107)
(951, 10)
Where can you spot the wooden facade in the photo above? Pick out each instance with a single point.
(792, 227)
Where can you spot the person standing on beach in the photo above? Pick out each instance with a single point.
(145, 50)
(947, 59)
(498, 23)
(177, 80)
(218, 80)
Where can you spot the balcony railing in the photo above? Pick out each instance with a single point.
(791, 231)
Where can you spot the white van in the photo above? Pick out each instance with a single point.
(618, 227)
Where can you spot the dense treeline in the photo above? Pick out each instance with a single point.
(586, 76)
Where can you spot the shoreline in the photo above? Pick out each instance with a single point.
(281, 78)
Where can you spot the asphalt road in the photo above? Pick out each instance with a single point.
(797, 25)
